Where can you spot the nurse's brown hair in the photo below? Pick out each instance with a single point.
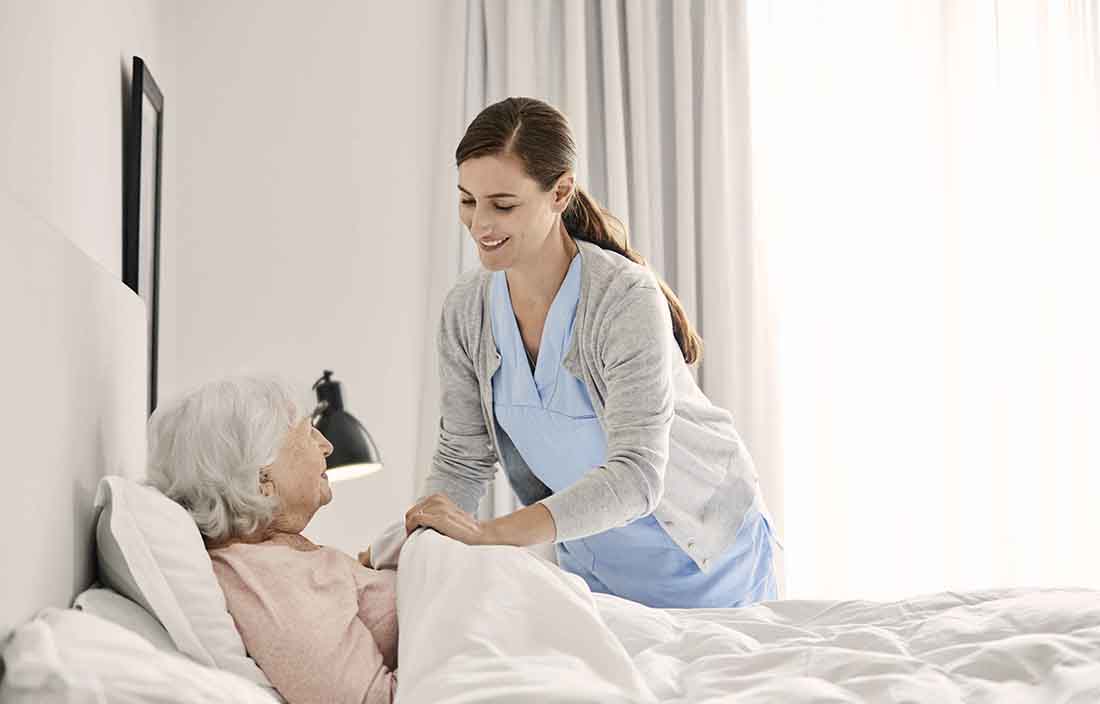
(539, 135)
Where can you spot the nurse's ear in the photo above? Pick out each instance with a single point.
(563, 192)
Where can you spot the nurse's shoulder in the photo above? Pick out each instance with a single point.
(462, 312)
(465, 294)
(609, 277)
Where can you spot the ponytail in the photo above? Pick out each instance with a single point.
(586, 220)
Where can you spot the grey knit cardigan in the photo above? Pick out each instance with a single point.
(670, 451)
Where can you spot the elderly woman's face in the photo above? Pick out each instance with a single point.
(298, 476)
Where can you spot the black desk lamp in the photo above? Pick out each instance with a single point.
(354, 453)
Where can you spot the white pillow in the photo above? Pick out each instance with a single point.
(150, 550)
(111, 606)
(66, 656)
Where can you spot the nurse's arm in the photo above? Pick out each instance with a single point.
(532, 525)
(464, 463)
(637, 349)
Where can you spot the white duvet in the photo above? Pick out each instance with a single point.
(498, 624)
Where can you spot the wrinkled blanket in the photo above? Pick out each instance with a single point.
(500, 624)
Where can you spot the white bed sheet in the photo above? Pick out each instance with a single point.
(991, 646)
(499, 624)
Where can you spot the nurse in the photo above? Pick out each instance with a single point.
(564, 359)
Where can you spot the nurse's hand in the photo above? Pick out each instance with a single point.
(439, 512)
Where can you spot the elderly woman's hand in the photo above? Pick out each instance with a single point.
(439, 512)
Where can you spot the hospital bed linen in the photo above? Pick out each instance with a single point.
(1018, 646)
(500, 624)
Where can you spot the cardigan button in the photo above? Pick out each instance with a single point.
(691, 545)
(706, 561)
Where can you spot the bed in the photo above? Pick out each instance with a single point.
(477, 624)
(497, 624)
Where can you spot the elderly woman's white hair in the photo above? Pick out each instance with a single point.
(206, 449)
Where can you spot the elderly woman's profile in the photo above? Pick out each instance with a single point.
(250, 469)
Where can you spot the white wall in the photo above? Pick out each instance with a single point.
(64, 74)
(306, 156)
(64, 68)
(76, 384)
(72, 346)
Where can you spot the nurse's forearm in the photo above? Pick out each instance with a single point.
(532, 525)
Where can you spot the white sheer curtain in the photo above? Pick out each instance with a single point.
(927, 176)
(656, 93)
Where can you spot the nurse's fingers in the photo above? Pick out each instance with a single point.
(414, 510)
(429, 505)
(415, 519)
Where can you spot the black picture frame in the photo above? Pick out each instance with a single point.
(144, 130)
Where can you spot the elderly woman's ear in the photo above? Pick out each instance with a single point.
(267, 488)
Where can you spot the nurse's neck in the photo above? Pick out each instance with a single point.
(533, 284)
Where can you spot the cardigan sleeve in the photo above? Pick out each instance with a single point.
(636, 350)
(464, 462)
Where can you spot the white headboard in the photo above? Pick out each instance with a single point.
(72, 350)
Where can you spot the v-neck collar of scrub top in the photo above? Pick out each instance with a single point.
(557, 331)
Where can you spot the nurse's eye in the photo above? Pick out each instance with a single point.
(505, 209)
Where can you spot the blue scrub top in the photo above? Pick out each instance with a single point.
(548, 415)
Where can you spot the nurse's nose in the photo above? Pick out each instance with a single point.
(481, 225)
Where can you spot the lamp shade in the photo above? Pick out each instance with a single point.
(354, 453)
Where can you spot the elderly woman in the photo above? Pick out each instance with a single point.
(251, 472)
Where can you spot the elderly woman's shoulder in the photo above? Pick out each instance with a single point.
(261, 562)
(270, 550)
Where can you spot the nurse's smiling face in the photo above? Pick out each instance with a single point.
(509, 217)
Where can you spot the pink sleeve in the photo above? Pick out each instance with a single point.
(304, 632)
